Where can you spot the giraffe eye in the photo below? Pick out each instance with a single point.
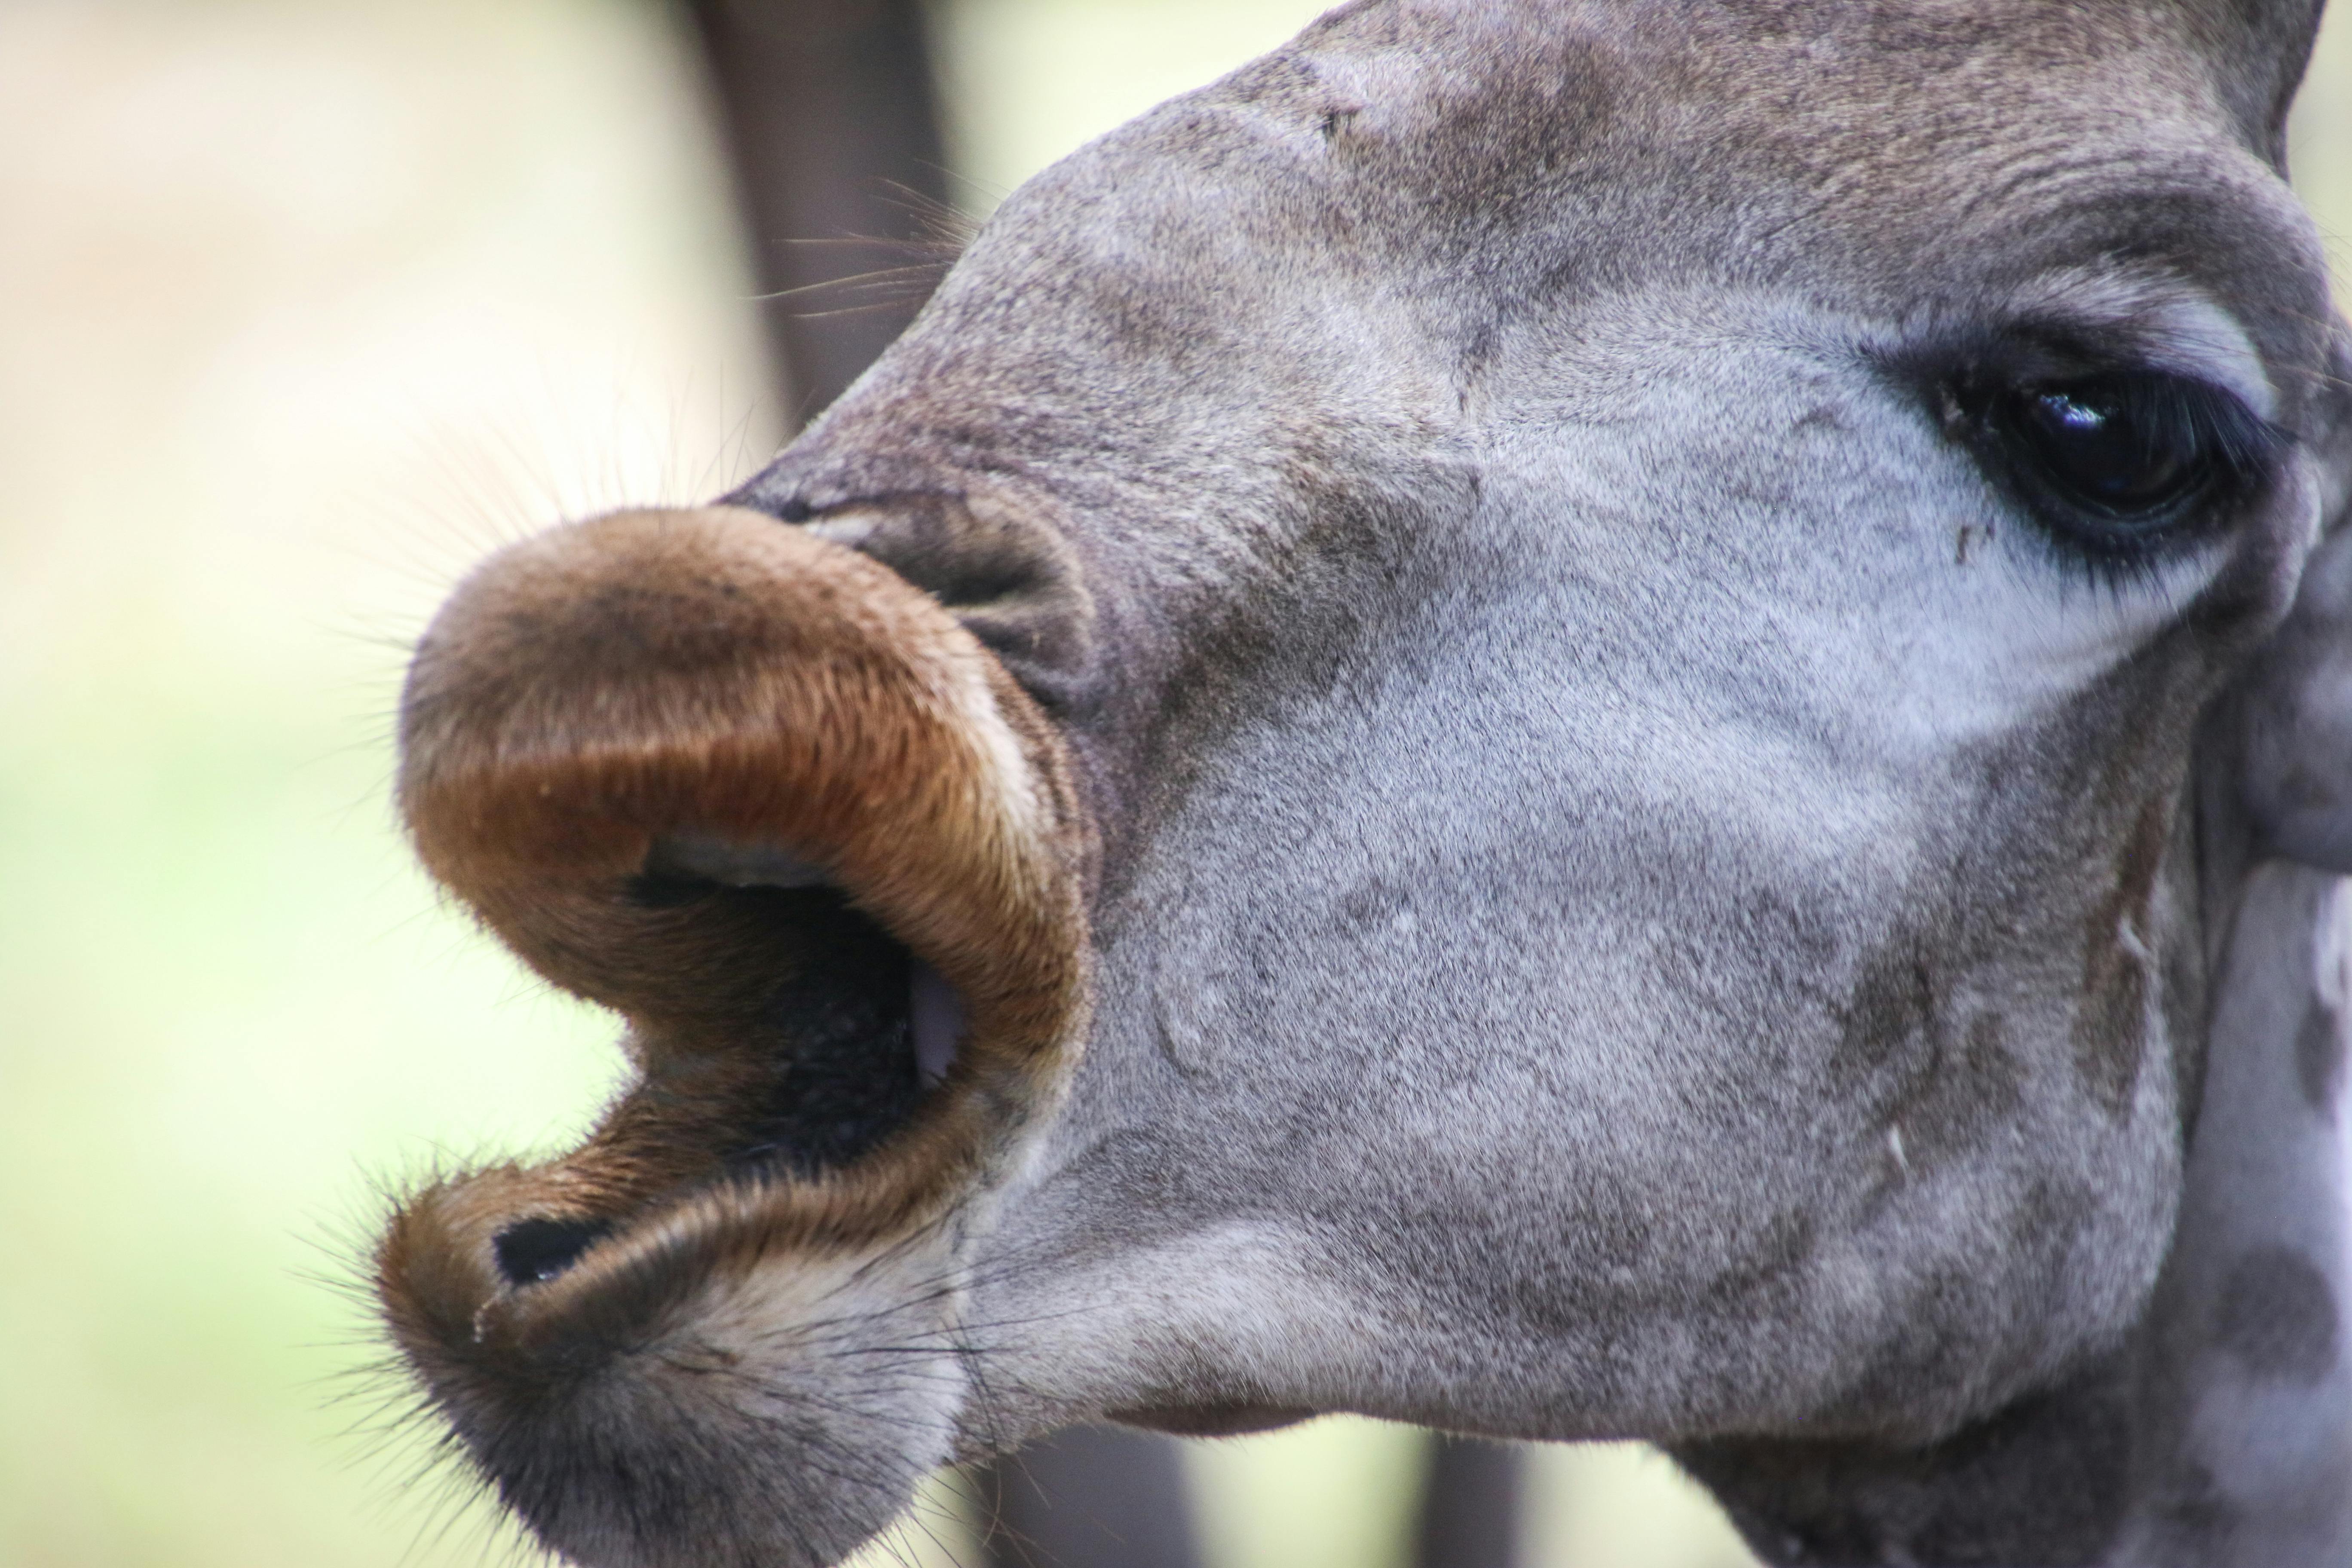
(2092, 445)
(2123, 465)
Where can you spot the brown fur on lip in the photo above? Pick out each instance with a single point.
(712, 671)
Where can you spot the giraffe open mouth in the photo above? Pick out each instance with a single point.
(919, 1005)
(870, 1025)
(916, 1006)
(852, 1036)
(775, 808)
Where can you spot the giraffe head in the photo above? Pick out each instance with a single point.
(1499, 724)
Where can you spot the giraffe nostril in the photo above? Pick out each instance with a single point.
(533, 1251)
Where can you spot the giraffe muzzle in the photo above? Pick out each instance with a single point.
(779, 811)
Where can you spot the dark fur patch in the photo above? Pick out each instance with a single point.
(1973, 1081)
(1894, 998)
(2111, 1022)
(1788, 1244)
(2278, 1315)
(2196, 1508)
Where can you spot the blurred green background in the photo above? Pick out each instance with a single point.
(304, 305)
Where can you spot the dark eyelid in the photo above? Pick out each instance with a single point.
(1982, 359)
(2038, 349)
(1967, 376)
(2248, 443)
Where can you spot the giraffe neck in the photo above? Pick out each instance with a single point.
(2245, 1399)
(2220, 1435)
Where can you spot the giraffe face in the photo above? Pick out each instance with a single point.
(1497, 725)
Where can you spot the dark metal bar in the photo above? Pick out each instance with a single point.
(1470, 1510)
(1093, 1497)
(832, 126)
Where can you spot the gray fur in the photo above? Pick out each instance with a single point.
(2244, 1384)
(1640, 895)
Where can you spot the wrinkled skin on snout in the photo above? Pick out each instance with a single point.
(1428, 749)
